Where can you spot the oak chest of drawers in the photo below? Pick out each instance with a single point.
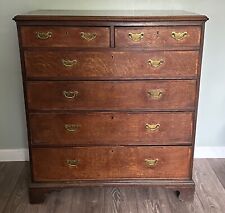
(111, 97)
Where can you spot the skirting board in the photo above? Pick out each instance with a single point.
(209, 152)
(200, 152)
(14, 155)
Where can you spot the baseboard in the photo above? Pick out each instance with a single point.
(200, 152)
(209, 152)
(14, 155)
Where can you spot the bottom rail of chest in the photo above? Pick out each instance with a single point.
(147, 166)
(183, 189)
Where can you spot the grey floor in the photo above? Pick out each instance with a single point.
(209, 176)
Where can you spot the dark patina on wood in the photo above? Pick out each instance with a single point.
(111, 97)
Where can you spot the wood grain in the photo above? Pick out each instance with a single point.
(18, 200)
(178, 206)
(113, 95)
(111, 128)
(113, 199)
(105, 163)
(110, 15)
(110, 64)
(135, 86)
(157, 37)
(65, 37)
(152, 200)
(9, 173)
(218, 166)
(206, 182)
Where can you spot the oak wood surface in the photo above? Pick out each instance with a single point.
(111, 15)
(122, 95)
(65, 37)
(157, 36)
(101, 163)
(111, 128)
(110, 64)
(51, 33)
(113, 199)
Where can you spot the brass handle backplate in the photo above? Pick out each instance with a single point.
(72, 127)
(151, 162)
(69, 63)
(178, 36)
(88, 36)
(70, 94)
(43, 35)
(155, 63)
(152, 127)
(136, 36)
(155, 94)
(72, 163)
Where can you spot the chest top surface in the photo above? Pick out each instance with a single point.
(111, 15)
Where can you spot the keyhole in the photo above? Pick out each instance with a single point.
(112, 117)
(112, 57)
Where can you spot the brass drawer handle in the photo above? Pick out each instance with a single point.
(151, 162)
(155, 63)
(179, 35)
(88, 36)
(70, 94)
(72, 127)
(152, 127)
(69, 63)
(73, 163)
(136, 36)
(43, 35)
(155, 94)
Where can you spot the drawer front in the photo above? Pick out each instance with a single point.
(158, 37)
(99, 163)
(121, 95)
(77, 64)
(65, 36)
(111, 128)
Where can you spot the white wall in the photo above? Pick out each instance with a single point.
(211, 119)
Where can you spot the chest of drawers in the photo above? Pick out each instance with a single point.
(111, 97)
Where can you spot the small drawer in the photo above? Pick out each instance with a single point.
(65, 36)
(110, 65)
(98, 128)
(158, 37)
(104, 163)
(114, 95)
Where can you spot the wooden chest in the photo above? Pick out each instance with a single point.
(111, 97)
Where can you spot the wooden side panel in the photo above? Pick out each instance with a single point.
(52, 164)
(51, 36)
(158, 37)
(111, 128)
(88, 65)
(114, 95)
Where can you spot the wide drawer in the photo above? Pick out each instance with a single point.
(65, 36)
(89, 65)
(114, 95)
(99, 163)
(158, 37)
(97, 128)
